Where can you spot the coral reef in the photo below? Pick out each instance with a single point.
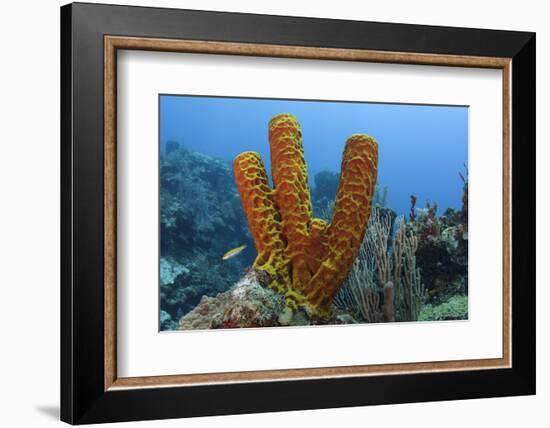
(198, 224)
(455, 308)
(314, 262)
(306, 259)
(443, 249)
(200, 275)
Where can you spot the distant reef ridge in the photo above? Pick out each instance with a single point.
(201, 218)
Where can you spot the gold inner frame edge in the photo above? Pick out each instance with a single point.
(113, 43)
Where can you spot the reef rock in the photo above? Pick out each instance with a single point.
(249, 303)
(246, 304)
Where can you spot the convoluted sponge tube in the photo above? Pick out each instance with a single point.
(349, 222)
(306, 258)
(263, 219)
(289, 172)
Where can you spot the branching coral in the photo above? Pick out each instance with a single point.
(390, 258)
(398, 273)
(359, 295)
(411, 291)
(306, 258)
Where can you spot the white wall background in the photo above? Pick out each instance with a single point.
(29, 213)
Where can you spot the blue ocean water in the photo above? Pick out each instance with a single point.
(422, 148)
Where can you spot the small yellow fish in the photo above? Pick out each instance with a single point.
(233, 252)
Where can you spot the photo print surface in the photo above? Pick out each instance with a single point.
(278, 212)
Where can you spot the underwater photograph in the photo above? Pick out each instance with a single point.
(282, 212)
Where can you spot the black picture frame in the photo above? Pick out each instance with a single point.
(83, 397)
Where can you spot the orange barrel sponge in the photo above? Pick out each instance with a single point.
(306, 258)
(347, 228)
(318, 243)
(263, 219)
(291, 194)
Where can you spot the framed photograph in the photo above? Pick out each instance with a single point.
(266, 213)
